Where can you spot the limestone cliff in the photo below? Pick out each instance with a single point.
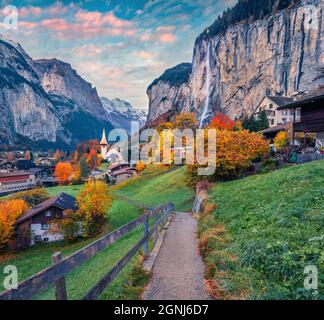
(280, 54)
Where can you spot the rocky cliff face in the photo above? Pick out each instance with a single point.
(45, 103)
(121, 113)
(282, 54)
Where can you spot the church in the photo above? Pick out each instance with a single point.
(108, 154)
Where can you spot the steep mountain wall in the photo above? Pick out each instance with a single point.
(282, 54)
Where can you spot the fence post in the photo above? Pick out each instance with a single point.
(146, 233)
(156, 225)
(60, 287)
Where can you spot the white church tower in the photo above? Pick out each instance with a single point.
(104, 146)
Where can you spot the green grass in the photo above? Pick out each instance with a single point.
(163, 187)
(270, 221)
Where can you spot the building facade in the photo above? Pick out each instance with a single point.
(270, 105)
(39, 224)
(11, 182)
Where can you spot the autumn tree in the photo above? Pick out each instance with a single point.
(68, 226)
(63, 172)
(27, 155)
(222, 122)
(58, 155)
(140, 166)
(94, 202)
(10, 211)
(235, 150)
(84, 169)
(186, 120)
(281, 140)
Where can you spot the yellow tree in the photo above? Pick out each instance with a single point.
(186, 120)
(94, 202)
(281, 140)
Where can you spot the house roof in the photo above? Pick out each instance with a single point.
(62, 201)
(303, 101)
(117, 165)
(280, 101)
(15, 174)
(281, 127)
(123, 171)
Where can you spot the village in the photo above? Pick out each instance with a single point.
(299, 124)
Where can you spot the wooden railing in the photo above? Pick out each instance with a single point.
(56, 273)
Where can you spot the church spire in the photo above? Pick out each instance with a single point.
(104, 141)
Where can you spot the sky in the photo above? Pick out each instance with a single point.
(119, 46)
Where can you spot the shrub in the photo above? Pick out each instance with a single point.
(69, 226)
(32, 197)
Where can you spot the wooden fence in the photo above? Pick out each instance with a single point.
(56, 273)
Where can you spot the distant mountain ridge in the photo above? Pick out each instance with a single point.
(46, 104)
(121, 113)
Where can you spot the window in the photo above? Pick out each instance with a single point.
(46, 239)
(271, 106)
(272, 122)
(45, 226)
(284, 120)
(48, 214)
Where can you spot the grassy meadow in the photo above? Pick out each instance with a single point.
(263, 232)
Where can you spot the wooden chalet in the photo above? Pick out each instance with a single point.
(311, 116)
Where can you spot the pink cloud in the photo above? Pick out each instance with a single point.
(167, 37)
(145, 55)
(29, 11)
(99, 19)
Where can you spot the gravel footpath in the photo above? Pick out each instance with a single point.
(178, 273)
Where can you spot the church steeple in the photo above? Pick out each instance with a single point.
(104, 141)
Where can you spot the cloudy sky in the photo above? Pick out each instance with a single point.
(120, 46)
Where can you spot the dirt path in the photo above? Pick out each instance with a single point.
(178, 273)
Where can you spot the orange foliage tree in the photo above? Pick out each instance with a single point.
(222, 122)
(235, 150)
(94, 202)
(63, 172)
(10, 211)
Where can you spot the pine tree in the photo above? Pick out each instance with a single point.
(262, 122)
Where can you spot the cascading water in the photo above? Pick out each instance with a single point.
(207, 81)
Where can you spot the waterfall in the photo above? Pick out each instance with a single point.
(207, 81)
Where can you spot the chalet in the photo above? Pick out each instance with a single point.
(25, 164)
(116, 167)
(11, 182)
(276, 116)
(6, 165)
(38, 225)
(124, 174)
(42, 174)
(311, 118)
